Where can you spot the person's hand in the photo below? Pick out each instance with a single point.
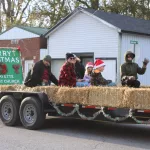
(79, 80)
(131, 78)
(82, 80)
(45, 81)
(145, 62)
(109, 81)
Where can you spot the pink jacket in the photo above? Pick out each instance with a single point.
(87, 78)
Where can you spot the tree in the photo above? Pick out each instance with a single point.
(14, 12)
(51, 11)
(134, 8)
(95, 4)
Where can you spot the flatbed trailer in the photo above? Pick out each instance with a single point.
(31, 108)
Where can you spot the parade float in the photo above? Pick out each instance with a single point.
(30, 105)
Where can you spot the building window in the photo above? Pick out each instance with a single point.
(14, 41)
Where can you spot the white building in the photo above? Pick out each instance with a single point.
(94, 34)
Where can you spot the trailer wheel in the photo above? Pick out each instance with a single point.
(31, 114)
(9, 110)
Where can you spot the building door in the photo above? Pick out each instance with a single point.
(28, 66)
(110, 71)
(56, 65)
(85, 60)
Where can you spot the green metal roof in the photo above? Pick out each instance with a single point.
(35, 30)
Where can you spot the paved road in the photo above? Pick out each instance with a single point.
(70, 134)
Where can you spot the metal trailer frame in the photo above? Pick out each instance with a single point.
(30, 108)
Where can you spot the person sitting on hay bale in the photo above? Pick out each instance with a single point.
(129, 70)
(80, 82)
(67, 75)
(79, 68)
(88, 72)
(97, 78)
(41, 74)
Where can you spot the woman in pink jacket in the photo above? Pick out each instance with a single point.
(87, 75)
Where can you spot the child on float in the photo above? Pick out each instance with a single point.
(86, 80)
(96, 77)
(88, 72)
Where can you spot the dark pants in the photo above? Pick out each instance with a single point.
(131, 83)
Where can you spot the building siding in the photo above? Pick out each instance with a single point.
(83, 33)
(17, 33)
(142, 50)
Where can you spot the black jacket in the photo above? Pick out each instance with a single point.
(80, 70)
(34, 76)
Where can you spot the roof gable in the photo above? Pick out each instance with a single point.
(22, 32)
(35, 30)
(125, 23)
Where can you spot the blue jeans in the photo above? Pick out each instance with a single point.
(82, 84)
(111, 84)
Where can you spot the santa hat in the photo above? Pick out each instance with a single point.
(89, 64)
(98, 63)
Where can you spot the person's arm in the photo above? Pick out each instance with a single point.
(123, 72)
(94, 82)
(53, 79)
(141, 70)
(37, 73)
(103, 81)
(86, 78)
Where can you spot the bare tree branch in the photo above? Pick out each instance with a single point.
(85, 3)
(24, 9)
(4, 7)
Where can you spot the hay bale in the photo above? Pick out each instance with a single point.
(49, 90)
(106, 96)
(71, 95)
(120, 97)
(7, 88)
(137, 98)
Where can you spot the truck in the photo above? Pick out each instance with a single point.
(30, 108)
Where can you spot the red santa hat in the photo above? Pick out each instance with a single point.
(89, 64)
(98, 63)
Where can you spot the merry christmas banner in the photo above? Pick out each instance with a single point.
(10, 66)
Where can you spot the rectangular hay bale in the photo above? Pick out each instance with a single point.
(72, 95)
(137, 98)
(119, 97)
(107, 96)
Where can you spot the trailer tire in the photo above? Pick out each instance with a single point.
(31, 114)
(9, 110)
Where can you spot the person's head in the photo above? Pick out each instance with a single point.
(70, 58)
(129, 56)
(77, 59)
(89, 67)
(99, 66)
(47, 60)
